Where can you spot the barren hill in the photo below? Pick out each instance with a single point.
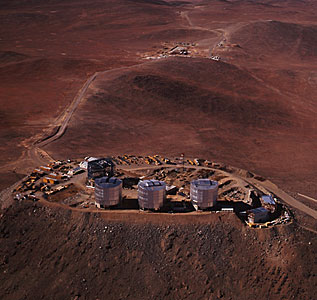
(273, 40)
(89, 256)
(254, 108)
(199, 107)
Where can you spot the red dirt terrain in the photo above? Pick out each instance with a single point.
(91, 256)
(210, 109)
(255, 109)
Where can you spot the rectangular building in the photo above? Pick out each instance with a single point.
(102, 167)
(258, 215)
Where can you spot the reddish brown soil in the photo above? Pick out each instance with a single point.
(89, 256)
(48, 50)
(203, 108)
(255, 109)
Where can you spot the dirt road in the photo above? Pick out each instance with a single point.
(39, 156)
(267, 185)
(307, 197)
(68, 113)
(271, 187)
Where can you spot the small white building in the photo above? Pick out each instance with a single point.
(179, 50)
(75, 171)
(84, 165)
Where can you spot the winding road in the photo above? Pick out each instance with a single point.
(68, 113)
(221, 33)
(39, 156)
(272, 188)
(265, 186)
(35, 153)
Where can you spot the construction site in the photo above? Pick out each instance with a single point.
(179, 49)
(154, 184)
(228, 83)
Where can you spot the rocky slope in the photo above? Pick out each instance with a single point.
(50, 253)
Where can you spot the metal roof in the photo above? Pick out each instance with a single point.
(107, 182)
(152, 184)
(268, 199)
(204, 183)
(92, 159)
(258, 210)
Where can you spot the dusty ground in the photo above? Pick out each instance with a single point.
(148, 257)
(263, 90)
(254, 109)
(200, 107)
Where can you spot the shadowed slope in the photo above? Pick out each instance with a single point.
(172, 257)
(199, 107)
(274, 40)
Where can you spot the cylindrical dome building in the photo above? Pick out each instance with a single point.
(203, 193)
(151, 194)
(108, 191)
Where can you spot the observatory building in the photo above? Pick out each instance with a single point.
(258, 215)
(203, 193)
(108, 191)
(100, 167)
(151, 194)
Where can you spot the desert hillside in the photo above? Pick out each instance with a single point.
(233, 82)
(88, 256)
(200, 107)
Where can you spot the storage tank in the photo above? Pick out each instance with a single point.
(151, 194)
(203, 193)
(108, 191)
